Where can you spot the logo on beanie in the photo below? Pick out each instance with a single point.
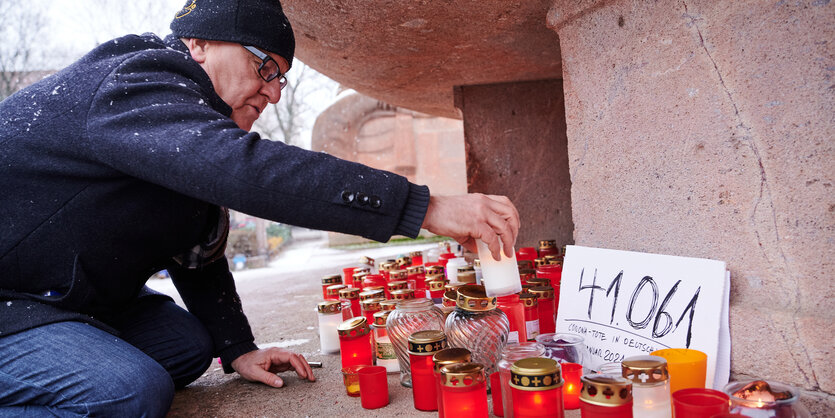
(191, 5)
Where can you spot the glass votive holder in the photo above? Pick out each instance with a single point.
(765, 399)
(350, 376)
(563, 347)
(374, 388)
(699, 403)
(571, 374)
(687, 367)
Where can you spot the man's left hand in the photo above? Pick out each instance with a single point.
(261, 366)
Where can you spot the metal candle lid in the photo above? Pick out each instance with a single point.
(460, 375)
(372, 294)
(450, 297)
(357, 276)
(402, 294)
(548, 243)
(524, 265)
(528, 299)
(605, 390)
(542, 292)
(349, 293)
(388, 265)
(426, 343)
(540, 262)
(553, 259)
(398, 275)
(415, 270)
(434, 270)
(473, 298)
(388, 305)
(453, 286)
(332, 279)
(371, 305)
(642, 370)
(333, 290)
(435, 285)
(403, 261)
(367, 261)
(329, 307)
(380, 319)
(535, 374)
(451, 356)
(539, 281)
(354, 327)
(397, 285)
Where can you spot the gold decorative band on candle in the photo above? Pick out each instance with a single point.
(451, 355)
(332, 279)
(403, 261)
(414, 254)
(368, 261)
(461, 375)
(388, 265)
(645, 369)
(388, 305)
(539, 281)
(425, 343)
(357, 276)
(540, 262)
(372, 294)
(605, 390)
(333, 290)
(435, 285)
(548, 243)
(553, 259)
(524, 265)
(371, 305)
(329, 307)
(402, 294)
(535, 374)
(453, 286)
(450, 297)
(542, 292)
(473, 298)
(380, 319)
(397, 285)
(465, 268)
(528, 299)
(354, 327)
(349, 293)
(434, 270)
(416, 270)
(398, 274)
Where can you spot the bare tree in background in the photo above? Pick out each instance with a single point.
(21, 27)
(107, 19)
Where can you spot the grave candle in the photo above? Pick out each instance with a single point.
(422, 346)
(355, 342)
(604, 396)
(329, 280)
(536, 388)
(501, 278)
(464, 390)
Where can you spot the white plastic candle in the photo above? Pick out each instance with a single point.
(328, 336)
(500, 278)
(452, 268)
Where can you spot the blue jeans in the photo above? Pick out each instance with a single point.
(74, 369)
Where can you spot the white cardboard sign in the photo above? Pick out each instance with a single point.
(627, 303)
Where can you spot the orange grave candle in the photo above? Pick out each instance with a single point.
(536, 388)
(422, 346)
(687, 367)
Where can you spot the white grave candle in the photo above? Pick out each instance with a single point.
(500, 278)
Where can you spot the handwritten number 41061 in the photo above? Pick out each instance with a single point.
(662, 317)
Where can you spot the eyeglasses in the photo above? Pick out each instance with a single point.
(268, 70)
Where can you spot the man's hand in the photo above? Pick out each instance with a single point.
(465, 218)
(261, 366)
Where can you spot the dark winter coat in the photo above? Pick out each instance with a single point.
(116, 164)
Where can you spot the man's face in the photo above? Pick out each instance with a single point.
(234, 74)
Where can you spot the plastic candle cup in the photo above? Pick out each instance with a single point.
(510, 355)
(552, 272)
(452, 268)
(383, 349)
(417, 258)
(350, 378)
(531, 315)
(536, 388)
(330, 318)
(650, 386)
(348, 276)
(604, 396)
(547, 311)
(687, 367)
(374, 388)
(571, 373)
(501, 278)
(464, 390)
(515, 312)
(765, 399)
(443, 358)
(329, 280)
(496, 384)
(699, 402)
(422, 346)
(355, 342)
(436, 291)
(352, 295)
(526, 253)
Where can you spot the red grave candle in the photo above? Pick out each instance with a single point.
(436, 290)
(416, 275)
(529, 300)
(422, 346)
(329, 280)
(355, 342)
(526, 253)
(548, 247)
(552, 272)
(464, 390)
(515, 312)
(352, 295)
(373, 280)
(417, 258)
(496, 384)
(536, 388)
(386, 267)
(571, 373)
(547, 312)
(443, 358)
(348, 276)
(369, 307)
(332, 291)
(604, 396)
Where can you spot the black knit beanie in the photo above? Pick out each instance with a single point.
(259, 23)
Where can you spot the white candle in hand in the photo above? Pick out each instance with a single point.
(500, 278)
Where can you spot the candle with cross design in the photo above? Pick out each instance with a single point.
(650, 386)
(536, 388)
(605, 396)
(422, 346)
(464, 390)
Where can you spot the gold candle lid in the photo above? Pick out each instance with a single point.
(547, 243)
(372, 294)
(473, 298)
(332, 279)
(553, 259)
(358, 276)
(451, 355)
(388, 265)
(354, 327)
(535, 374)
(371, 305)
(333, 290)
(542, 292)
(416, 270)
(402, 294)
(329, 307)
(453, 286)
(434, 270)
(434, 276)
(435, 285)
(380, 319)
(349, 293)
(540, 262)
(397, 285)
(414, 254)
(426, 343)
(467, 277)
(388, 305)
(524, 265)
(528, 299)
(605, 390)
(460, 375)
(367, 261)
(643, 370)
(477, 263)
(539, 281)
(450, 297)
(398, 275)
(465, 268)
(403, 261)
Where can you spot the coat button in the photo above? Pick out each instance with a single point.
(362, 198)
(347, 196)
(376, 202)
